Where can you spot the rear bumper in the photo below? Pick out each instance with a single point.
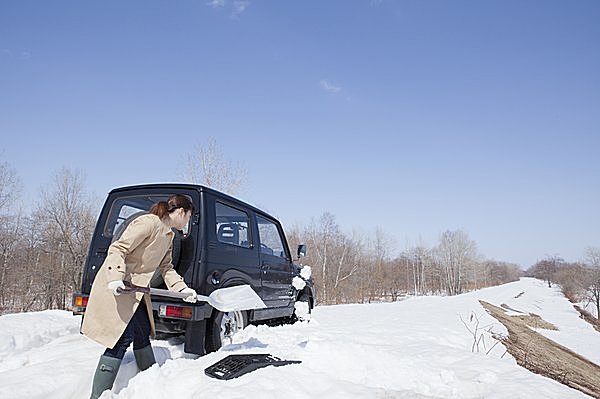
(194, 312)
(169, 319)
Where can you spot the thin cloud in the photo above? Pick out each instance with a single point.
(329, 87)
(216, 3)
(15, 54)
(239, 7)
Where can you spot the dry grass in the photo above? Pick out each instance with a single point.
(531, 319)
(587, 316)
(544, 356)
(534, 321)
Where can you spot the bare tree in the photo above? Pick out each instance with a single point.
(378, 266)
(497, 273)
(419, 260)
(336, 259)
(323, 237)
(592, 255)
(546, 268)
(27, 285)
(10, 188)
(456, 252)
(347, 265)
(9, 231)
(572, 279)
(399, 279)
(68, 219)
(208, 165)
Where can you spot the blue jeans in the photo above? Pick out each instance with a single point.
(137, 331)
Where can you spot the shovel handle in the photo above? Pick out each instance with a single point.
(223, 299)
(131, 288)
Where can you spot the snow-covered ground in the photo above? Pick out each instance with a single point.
(590, 307)
(417, 348)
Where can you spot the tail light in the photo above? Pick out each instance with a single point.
(176, 312)
(79, 302)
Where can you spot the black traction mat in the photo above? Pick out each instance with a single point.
(234, 366)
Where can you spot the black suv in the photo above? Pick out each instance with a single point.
(226, 243)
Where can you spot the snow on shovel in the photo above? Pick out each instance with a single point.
(240, 297)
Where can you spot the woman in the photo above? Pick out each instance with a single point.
(116, 320)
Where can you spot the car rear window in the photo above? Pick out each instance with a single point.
(129, 206)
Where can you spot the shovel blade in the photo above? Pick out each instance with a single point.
(241, 297)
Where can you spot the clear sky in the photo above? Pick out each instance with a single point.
(412, 116)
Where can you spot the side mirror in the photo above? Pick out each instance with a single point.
(301, 251)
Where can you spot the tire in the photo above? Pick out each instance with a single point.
(222, 327)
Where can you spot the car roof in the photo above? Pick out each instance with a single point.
(189, 186)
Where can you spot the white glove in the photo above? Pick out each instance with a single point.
(114, 285)
(191, 295)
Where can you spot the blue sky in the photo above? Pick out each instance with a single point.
(412, 116)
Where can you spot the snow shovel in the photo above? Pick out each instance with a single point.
(239, 297)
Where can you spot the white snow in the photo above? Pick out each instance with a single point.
(306, 272)
(302, 311)
(298, 283)
(590, 307)
(417, 348)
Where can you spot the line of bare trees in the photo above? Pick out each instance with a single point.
(579, 281)
(350, 268)
(43, 251)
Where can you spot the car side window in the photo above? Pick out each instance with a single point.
(232, 226)
(271, 242)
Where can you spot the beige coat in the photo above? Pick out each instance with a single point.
(144, 245)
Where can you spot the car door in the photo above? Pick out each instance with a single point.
(275, 263)
(232, 259)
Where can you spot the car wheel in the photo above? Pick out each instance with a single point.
(222, 327)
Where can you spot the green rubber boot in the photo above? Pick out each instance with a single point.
(105, 375)
(144, 357)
